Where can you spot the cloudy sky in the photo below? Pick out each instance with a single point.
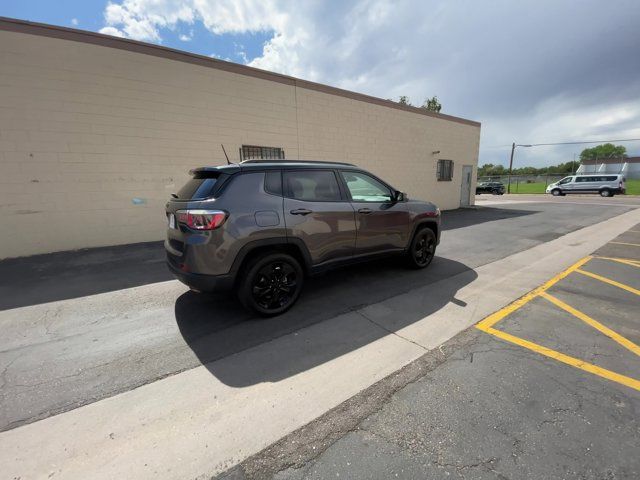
(532, 71)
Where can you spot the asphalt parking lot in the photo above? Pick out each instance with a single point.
(149, 327)
(546, 387)
(109, 368)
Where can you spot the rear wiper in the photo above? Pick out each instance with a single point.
(174, 195)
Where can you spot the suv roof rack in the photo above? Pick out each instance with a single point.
(296, 161)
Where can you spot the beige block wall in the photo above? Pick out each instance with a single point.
(396, 145)
(94, 139)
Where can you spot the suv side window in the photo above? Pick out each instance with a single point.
(364, 188)
(312, 185)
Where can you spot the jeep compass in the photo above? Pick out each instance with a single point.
(260, 227)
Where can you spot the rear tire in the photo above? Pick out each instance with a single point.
(271, 284)
(422, 248)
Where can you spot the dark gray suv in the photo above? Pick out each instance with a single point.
(260, 227)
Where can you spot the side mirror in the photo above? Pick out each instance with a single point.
(398, 196)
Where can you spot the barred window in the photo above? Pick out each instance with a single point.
(253, 152)
(444, 172)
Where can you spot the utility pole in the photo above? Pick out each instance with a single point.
(513, 148)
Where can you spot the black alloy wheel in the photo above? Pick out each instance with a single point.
(423, 248)
(272, 284)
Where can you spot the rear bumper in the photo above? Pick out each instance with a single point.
(196, 281)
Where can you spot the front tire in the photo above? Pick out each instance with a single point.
(271, 284)
(556, 192)
(422, 248)
(606, 193)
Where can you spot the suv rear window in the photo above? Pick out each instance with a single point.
(200, 186)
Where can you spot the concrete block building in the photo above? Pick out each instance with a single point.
(96, 132)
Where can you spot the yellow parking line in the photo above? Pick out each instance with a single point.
(486, 325)
(625, 243)
(616, 337)
(609, 281)
(561, 357)
(494, 318)
(626, 261)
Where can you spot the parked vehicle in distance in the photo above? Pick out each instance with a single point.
(261, 227)
(606, 184)
(495, 188)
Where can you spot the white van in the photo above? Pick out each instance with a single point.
(606, 184)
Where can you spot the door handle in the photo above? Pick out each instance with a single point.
(365, 211)
(301, 211)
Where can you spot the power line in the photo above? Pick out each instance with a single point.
(582, 142)
(566, 143)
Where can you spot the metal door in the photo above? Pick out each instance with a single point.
(465, 189)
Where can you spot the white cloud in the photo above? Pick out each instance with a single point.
(74, 21)
(132, 20)
(143, 19)
(560, 119)
(186, 37)
(114, 32)
(530, 71)
(219, 57)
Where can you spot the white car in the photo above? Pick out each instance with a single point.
(606, 184)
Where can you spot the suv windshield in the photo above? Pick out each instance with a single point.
(200, 186)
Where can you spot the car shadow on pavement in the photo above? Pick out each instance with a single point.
(335, 305)
(461, 217)
(64, 275)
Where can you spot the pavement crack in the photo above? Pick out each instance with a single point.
(63, 377)
(392, 332)
(462, 467)
(5, 370)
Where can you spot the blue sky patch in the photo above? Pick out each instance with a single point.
(89, 15)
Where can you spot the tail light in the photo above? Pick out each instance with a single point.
(201, 219)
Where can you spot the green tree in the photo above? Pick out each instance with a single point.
(482, 171)
(489, 169)
(432, 104)
(606, 150)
